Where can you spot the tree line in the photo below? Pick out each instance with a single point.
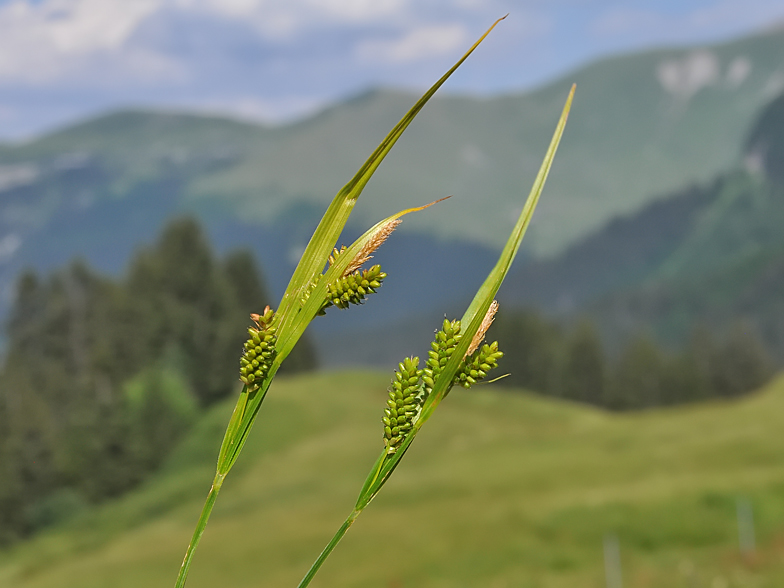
(101, 376)
(572, 363)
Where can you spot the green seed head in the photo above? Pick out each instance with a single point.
(350, 289)
(403, 403)
(312, 287)
(475, 367)
(354, 288)
(442, 347)
(259, 350)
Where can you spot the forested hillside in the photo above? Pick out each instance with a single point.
(711, 254)
(102, 376)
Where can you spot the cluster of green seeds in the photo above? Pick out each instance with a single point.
(350, 289)
(259, 350)
(353, 289)
(403, 404)
(310, 289)
(441, 349)
(411, 386)
(475, 367)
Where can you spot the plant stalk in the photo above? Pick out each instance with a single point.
(199, 531)
(330, 546)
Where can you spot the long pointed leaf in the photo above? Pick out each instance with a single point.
(472, 319)
(336, 216)
(314, 302)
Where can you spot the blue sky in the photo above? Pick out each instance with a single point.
(274, 60)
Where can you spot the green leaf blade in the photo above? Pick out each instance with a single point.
(472, 319)
(331, 225)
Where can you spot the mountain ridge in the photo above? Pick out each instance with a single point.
(641, 127)
(633, 134)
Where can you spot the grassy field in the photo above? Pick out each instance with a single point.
(502, 490)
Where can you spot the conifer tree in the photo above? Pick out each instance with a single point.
(583, 376)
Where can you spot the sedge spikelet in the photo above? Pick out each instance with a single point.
(353, 289)
(441, 349)
(403, 404)
(312, 288)
(336, 253)
(475, 367)
(259, 350)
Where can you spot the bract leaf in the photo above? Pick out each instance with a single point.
(336, 216)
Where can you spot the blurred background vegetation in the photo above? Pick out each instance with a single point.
(101, 375)
(133, 246)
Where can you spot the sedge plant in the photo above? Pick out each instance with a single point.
(329, 277)
(457, 357)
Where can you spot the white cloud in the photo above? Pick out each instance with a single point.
(74, 26)
(662, 23)
(281, 20)
(48, 40)
(103, 41)
(304, 11)
(357, 11)
(625, 20)
(421, 43)
(274, 59)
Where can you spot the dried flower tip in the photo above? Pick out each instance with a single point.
(480, 334)
(403, 405)
(264, 319)
(475, 367)
(365, 254)
(259, 350)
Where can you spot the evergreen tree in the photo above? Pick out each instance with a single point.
(583, 373)
(99, 375)
(182, 298)
(740, 364)
(638, 379)
(532, 350)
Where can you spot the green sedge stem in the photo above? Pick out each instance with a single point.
(328, 549)
(232, 443)
(200, 526)
(362, 502)
(473, 318)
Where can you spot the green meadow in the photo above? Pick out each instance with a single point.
(501, 489)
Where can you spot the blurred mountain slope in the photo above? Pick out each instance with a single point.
(642, 125)
(501, 488)
(710, 253)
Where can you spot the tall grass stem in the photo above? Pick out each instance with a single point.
(330, 546)
(199, 531)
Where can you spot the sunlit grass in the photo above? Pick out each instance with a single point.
(502, 489)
